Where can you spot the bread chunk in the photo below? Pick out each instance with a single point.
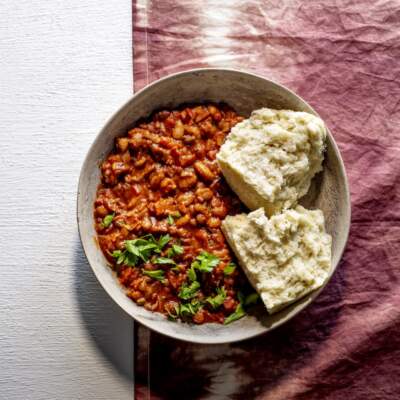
(270, 159)
(285, 256)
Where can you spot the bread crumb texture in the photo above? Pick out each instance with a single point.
(270, 158)
(285, 256)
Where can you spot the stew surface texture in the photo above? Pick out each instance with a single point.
(158, 212)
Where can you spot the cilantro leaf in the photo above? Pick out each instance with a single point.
(217, 300)
(163, 241)
(140, 248)
(157, 274)
(107, 220)
(187, 292)
(205, 262)
(191, 274)
(146, 250)
(251, 299)
(130, 259)
(149, 238)
(116, 253)
(177, 249)
(164, 260)
(237, 314)
(189, 309)
(174, 250)
(240, 312)
(123, 257)
(186, 310)
(229, 269)
(131, 247)
(170, 218)
(119, 255)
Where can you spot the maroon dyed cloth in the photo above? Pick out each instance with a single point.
(342, 56)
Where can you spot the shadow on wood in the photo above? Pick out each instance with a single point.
(108, 325)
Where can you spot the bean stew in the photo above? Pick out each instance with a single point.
(158, 213)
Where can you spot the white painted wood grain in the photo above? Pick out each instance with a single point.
(65, 66)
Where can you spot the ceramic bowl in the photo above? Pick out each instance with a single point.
(244, 92)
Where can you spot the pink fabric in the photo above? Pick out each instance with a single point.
(344, 58)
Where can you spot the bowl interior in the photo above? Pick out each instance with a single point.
(244, 92)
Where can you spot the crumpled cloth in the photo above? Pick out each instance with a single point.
(343, 57)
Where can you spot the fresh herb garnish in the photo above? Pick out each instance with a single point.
(157, 274)
(188, 291)
(163, 241)
(237, 314)
(192, 274)
(123, 257)
(229, 269)
(164, 260)
(174, 250)
(177, 249)
(240, 312)
(189, 309)
(250, 299)
(130, 259)
(107, 220)
(205, 262)
(186, 310)
(217, 300)
(119, 255)
(140, 249)
(173, 215)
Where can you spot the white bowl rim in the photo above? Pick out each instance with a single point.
(199, 339)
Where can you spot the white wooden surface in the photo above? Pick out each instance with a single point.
(65, 66)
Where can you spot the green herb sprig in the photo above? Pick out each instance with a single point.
(237, 314)
(107, 220)
(240, 311)
(192, 274)
(205, 262)
(217, 300)
(229, 269)
(140, 249)
(155, 274)
(188, 310)
(164, 260)
(252, 298)
(175, 250)
(187, 292)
